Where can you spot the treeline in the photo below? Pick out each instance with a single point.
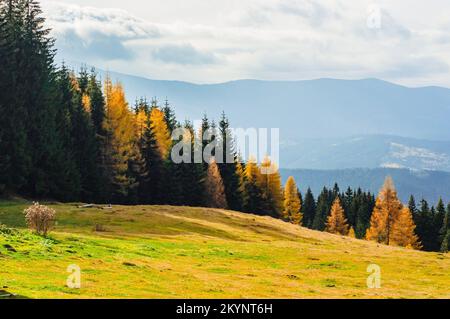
(383, 219)
(68, 136)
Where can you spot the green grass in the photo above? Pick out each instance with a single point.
(182, 252)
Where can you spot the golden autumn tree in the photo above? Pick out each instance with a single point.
(386, 212)
(161, 132)
(292, 204)
(351, 233)
(119, 146)
(403, 230)
(271, 188)
(336, 222)
(141, 119)
(214, 188)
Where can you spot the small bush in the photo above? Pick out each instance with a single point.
(99, 228)
(40, 218)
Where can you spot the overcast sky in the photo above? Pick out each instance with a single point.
(206, 41)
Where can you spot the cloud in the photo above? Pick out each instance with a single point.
(218, 41)
(96, 34)
(183, 54)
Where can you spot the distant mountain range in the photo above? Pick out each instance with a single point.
(323, 108)
(370, 151)
(422, 184)
(354, 132)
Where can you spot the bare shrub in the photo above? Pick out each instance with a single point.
(40, 218)
(99, 228)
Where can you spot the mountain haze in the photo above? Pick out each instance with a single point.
(320, 108)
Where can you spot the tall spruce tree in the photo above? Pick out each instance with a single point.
(323, 207)
(228, 166)
(308, 209)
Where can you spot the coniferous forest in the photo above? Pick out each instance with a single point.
(70, 136)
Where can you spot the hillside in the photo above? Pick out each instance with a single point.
(429, 185)
(176, 252)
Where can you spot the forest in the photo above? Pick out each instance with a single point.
(69, 136)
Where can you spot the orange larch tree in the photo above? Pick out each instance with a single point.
(336, 222)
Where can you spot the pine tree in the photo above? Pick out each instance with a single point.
(292, 204)
(443, 232)
(240, 172)
(15, 157)
(438, 224)
(169, 116)
(97, 102)
(324, 202)
(150, 188)
(228, 166)
(214, 188)
(308, 209)
(254, 202)
(336, 222)
(386, 212)
(425, 226)
(445, 246)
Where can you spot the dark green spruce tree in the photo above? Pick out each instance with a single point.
(308, 209)
(228, 166)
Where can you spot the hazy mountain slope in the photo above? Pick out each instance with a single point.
(422, 184)
(371, 151)
(309, 109)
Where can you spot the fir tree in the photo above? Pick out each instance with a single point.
(308, 209)
(323, 207)
(445, 246)
(169, 116)
(252, 175)
(228, 166)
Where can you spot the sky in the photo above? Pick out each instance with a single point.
(211, 41)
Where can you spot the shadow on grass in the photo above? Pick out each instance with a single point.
(7, 295)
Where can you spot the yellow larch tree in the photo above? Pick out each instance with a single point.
(271, 188)
(252, 190)
(292, 204)
(336, 222)
(141, 119)
(351, 233)
(86, 101)
(386, 212)
(214, 188)
(403, 230)
(120, 139)
(161, 131)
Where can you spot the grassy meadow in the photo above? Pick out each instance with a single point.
(183, 252)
